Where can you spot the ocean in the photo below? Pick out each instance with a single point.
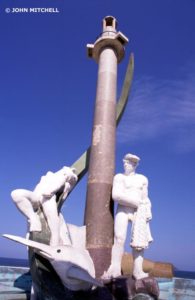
(13, 262)
(18, 262)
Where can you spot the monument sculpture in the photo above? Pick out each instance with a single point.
(71, 262)
(130, 191)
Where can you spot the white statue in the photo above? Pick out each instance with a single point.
(44, 195)
(130, 191)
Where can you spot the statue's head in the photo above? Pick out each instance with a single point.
(70, 174)
(130, 162)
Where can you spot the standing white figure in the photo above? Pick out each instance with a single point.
(130, 191)
(44, 195)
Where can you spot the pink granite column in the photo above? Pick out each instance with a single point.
(108, 50)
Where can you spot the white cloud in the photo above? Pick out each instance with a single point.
(161, 108)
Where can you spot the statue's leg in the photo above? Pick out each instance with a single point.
(120, 231)
(51, 214)
(25, 200)
(138, 257)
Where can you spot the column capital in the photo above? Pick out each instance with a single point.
(109, 38)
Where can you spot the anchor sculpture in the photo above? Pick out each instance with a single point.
(60, 271)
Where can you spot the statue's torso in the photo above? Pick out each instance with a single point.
(49, 184)
(130, 188)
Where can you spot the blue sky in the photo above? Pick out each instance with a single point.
(47, 93)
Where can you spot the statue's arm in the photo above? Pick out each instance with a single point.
(69, 184)
(117, 187)
(146, 199)
(121, 195)
(67, 188)
(144, 187)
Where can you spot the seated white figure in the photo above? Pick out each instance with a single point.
(130, 191)
(44, 195)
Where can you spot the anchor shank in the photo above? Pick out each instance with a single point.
(108, 51)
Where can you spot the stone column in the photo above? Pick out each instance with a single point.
(107, 51)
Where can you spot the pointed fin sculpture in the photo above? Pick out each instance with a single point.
(74, 266)
(75, 272)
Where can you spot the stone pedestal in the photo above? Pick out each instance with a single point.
(126, 288)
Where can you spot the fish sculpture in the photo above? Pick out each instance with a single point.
(74, 266)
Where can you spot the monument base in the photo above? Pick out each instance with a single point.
(49, 286)
(123, 288)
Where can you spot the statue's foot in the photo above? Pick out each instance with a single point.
(140, 275)
(35, 224)
(112, 272)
